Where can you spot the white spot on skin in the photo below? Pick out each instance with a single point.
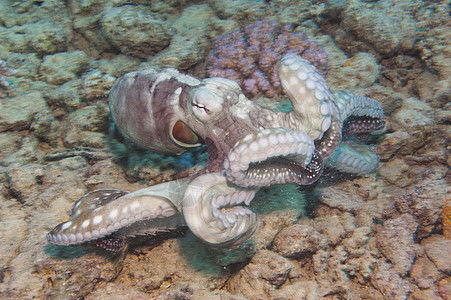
(85, 224)
(178, 91)
(66, 225)
(113, 214)
(135, 205)
(97, 220)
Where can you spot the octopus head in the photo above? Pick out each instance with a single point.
(149, 108)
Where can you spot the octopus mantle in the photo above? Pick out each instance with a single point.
(249, 146)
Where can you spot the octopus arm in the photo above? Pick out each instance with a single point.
(105, 212)
(309, 93)
(350, 104)
(353, 157)
(273, 156)
(213, 210)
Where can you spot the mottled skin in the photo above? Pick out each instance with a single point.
(249, 146)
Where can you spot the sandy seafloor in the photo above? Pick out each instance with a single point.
(382, 236)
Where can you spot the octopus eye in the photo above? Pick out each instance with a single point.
(206, 104)
(183, 136)
(201, 106)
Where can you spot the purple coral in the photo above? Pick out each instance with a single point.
(250, 56)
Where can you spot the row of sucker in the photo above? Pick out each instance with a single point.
(113, 244)
(361, 125)
(250, 152)
(92, 219)
(226, 207)
(309, 94)
(332, 138)
(355, 105)
(284, 170)
(212, 211)
(352, 157)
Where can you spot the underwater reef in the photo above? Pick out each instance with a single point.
(385, 235)
(4, 84)
(250, 56)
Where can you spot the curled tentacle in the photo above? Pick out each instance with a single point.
(273, 156)
(361, 115)
(353, 157)
(212, 210)
(332, 137)
(101, 213)
(310, 95)
(350, 104)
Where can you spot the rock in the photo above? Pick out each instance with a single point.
(117, 66)
(18, 112)
(396, 242)
(297, 290)
(414, 113)
(66, 96)
(417, 119)
(340, 199)
(294, 11)
(14, 231)
(240, 9)
(361, 267)
(438, 249)
(22, 181)
(424, 201)
(266, 272)
(424, 86)
(8, 17)
(28, 152)
(441, 93)
(360, 71)
(320, 261)
(387, 27)
(334, 278)
(400, 70)
(135, 30)
(87, 126)
(387, 281)
(357, 240)
(25, 64)
(10, 142)
(446, 218)
(299, 239)
(390, 100)
(396, 172)
(188, 44)
(62, 67)
(96, 84)
(43, 37)
(392, 143)
(278, 206)
(46, 128)
(331, 227)
(425, 273)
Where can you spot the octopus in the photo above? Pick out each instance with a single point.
(249, 147)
